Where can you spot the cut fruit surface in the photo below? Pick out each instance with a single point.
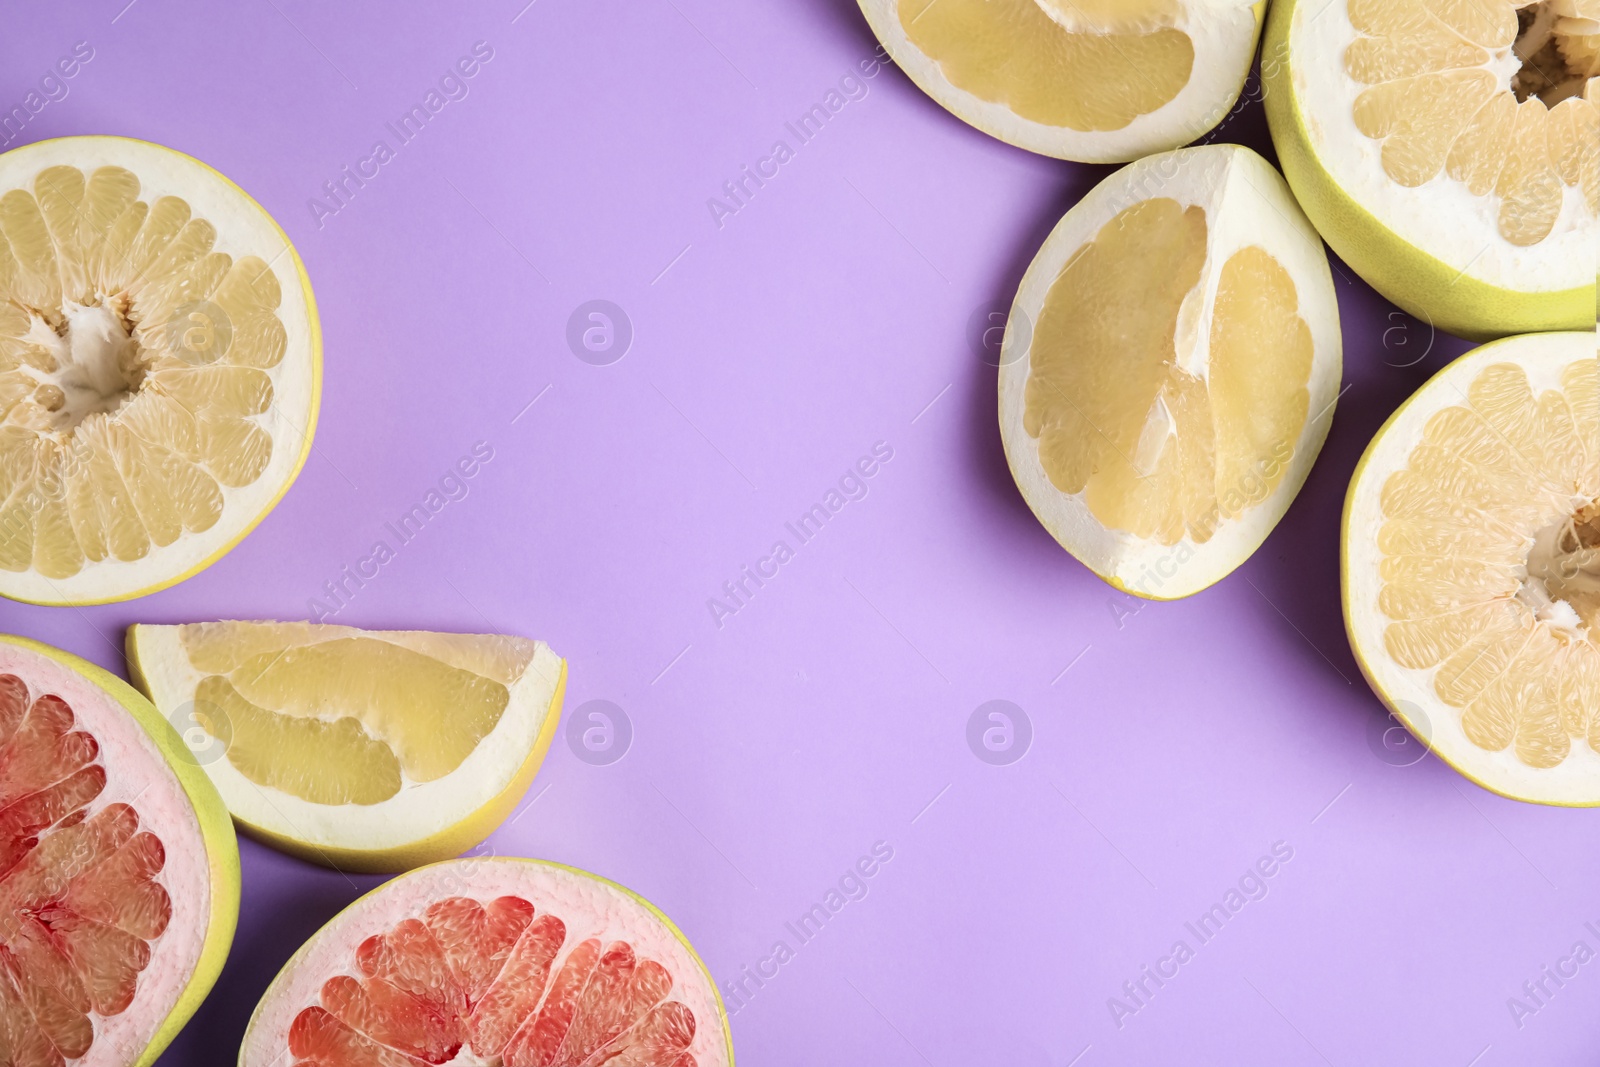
(1448, 151)
(159, 368)
(1471, 560)
(1091, 80)
(1169, 369)
(119, 874)
(365, 750)
(494, 961)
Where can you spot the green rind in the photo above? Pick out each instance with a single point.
(1424, 286)
(661, 917)
(314, 324)
(1349, 615)
(222, 849)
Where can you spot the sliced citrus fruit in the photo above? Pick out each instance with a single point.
(119, 874)
(1099, 81)
(363, 750)
(1169, 369)
(493, 961)
(159, 368)
(1471, 561)
(1448, 151)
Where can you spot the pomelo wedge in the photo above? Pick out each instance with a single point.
(1099, 81)
(159, 368)
(1471, 564)
(493, 961)
(119, 874)
(363, 750)
(1448, 151)
(1169, 369)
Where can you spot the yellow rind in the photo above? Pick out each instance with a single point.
(222, 850)
(316, 391)
(1395, 707)
(1424, 286)
(660, 916)
(446, 844)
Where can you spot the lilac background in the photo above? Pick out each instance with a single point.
(830, 714)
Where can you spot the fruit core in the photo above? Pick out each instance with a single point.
(1563, 582)
(1558, 48)
(1166, 431)
(478, 983)
(1090, 65)
(96, 363)
(79, 902)
(133, 360)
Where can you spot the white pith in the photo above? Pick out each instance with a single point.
(587, 905)
(1246, 203)
(243, 228)
(1224, 34)
(417, 812)
(1442, 217)
(1407, 691)
(136, 774)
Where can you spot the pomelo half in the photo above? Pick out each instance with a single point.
(1099, 81)
(493, 961)
(1169, 369)
(119, 875)
(160, 364)
(1471, 566)
(365, 750)
(1448, 151)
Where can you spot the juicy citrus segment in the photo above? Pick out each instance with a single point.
(1489, 559)
(1016, 53)
(513, 962)
(1159, 449)
(341, 719)
(1261, 359)
(1441, 104)
(344, 738)
(488, 977)
(80, 900)
(1099, 81)
(157, 383)
(1169, 362)
(128, 400)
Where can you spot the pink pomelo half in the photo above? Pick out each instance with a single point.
(505, 962)
(119, 874)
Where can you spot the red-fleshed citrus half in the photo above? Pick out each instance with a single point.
(510, 962)
(119, 875)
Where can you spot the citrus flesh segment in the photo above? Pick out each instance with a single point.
(158, 368)
(493, 961)
(1472, 557)
(377, 749)
(1095, 81)
(1449, 151)
(118, 870)
(1169, 369)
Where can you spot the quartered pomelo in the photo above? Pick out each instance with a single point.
(1169, 369)
(493, 961)
(363, 750)
(119, 875)
(1448, 150)
(159, 368)
(1471, 561)
(1100, 81)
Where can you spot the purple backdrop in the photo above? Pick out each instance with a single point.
(1167, 748)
